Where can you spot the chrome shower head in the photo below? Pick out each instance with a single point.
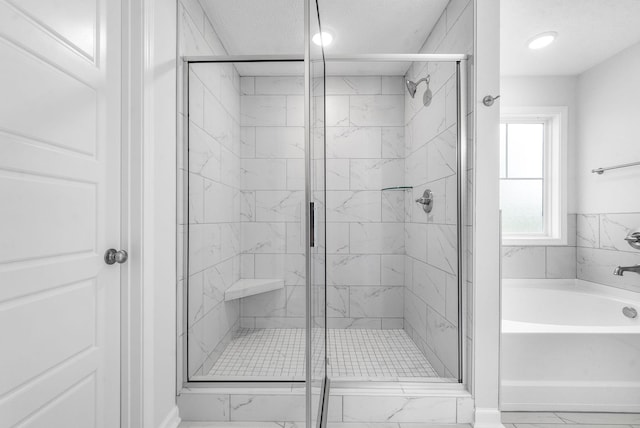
(411, 88)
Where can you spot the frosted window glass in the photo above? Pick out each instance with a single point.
(522, 206)
(525, 150)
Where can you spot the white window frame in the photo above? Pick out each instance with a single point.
(554, 175)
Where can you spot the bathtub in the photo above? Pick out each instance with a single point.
(566, 345)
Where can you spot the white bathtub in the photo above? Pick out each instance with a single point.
(566, 345)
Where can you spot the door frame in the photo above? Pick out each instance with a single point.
(148, 294)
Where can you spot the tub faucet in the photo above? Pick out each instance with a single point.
(622, 269)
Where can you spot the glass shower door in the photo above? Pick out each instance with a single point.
(317, 383)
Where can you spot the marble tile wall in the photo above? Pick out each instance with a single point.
(553, 261)
(365, 232)
(213, 177)
(272, 198)
(431, 290)
(368, 406)
(601, 247)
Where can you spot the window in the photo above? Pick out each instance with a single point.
(533, 176)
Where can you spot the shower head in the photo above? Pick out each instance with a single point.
(411, 88)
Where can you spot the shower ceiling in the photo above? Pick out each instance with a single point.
(358, 26)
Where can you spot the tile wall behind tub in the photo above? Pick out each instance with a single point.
(553, 261)
(601, 247)
(214, 193)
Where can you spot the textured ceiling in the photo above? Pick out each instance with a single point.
(589, 32)
(358, 26)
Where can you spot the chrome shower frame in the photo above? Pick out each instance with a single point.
(461, 62)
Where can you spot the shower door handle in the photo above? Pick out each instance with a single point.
(312, 225)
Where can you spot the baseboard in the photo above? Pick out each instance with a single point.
(487, 418)
(172, 420)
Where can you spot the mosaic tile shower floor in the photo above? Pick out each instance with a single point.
(354, 354)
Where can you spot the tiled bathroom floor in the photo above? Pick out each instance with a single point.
(354, 354)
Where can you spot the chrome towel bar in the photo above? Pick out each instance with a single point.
(602, 170)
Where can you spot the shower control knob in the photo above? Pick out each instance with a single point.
(112, 256)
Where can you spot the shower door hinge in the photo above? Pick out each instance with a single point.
(312, 223)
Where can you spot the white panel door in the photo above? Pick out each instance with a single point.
(59, 212)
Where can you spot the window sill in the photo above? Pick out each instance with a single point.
(543, 241)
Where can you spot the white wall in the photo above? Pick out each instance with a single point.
(609, 109)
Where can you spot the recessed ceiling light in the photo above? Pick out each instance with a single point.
(542, 40)
(321, 39)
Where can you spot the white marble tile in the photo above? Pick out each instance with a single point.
(279, 85)
(229, 168)
(442, 247)
(263, 238)
(375, 174)
(451, 200)
(523, 262)
(377, 238)
(393, 85)
(428, 121)
(270, 304)
(416, 167)
(571, 229)
(354, 142)
(442, 155)
(597, 265)
(615, 227)
(338, 238)
(295, 110)
(415, 313)
(451, 107)
(337, 301)
(392, 270)
(439, 209)
(381, 110)
(337, 110)
(196, 100)
(353, 269)
(442, 337)
(196, 199)
(264, 174)
(219, 200)
(399, 409)
(353, 85)
(267, 407)
(216, 280)
(247, 141)
(295, 174)
(357, 206)
(531, 418)
(279, 142)
(295, 238)
(203, 407)
(247, 265)
(374, 302)
(279, 205)
(344, 323)
(337, 174)
(290, 267)
(415, 240)
(451, 297)
(265, 110)
(393, 142)
(599, 418)
(247, 85)
(247, 205)
(204, 153)
(393, 202)
(429, 283)
(217, 121)
(561, 262)
(588, 231)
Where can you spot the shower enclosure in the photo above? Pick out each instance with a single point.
(324, 218)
